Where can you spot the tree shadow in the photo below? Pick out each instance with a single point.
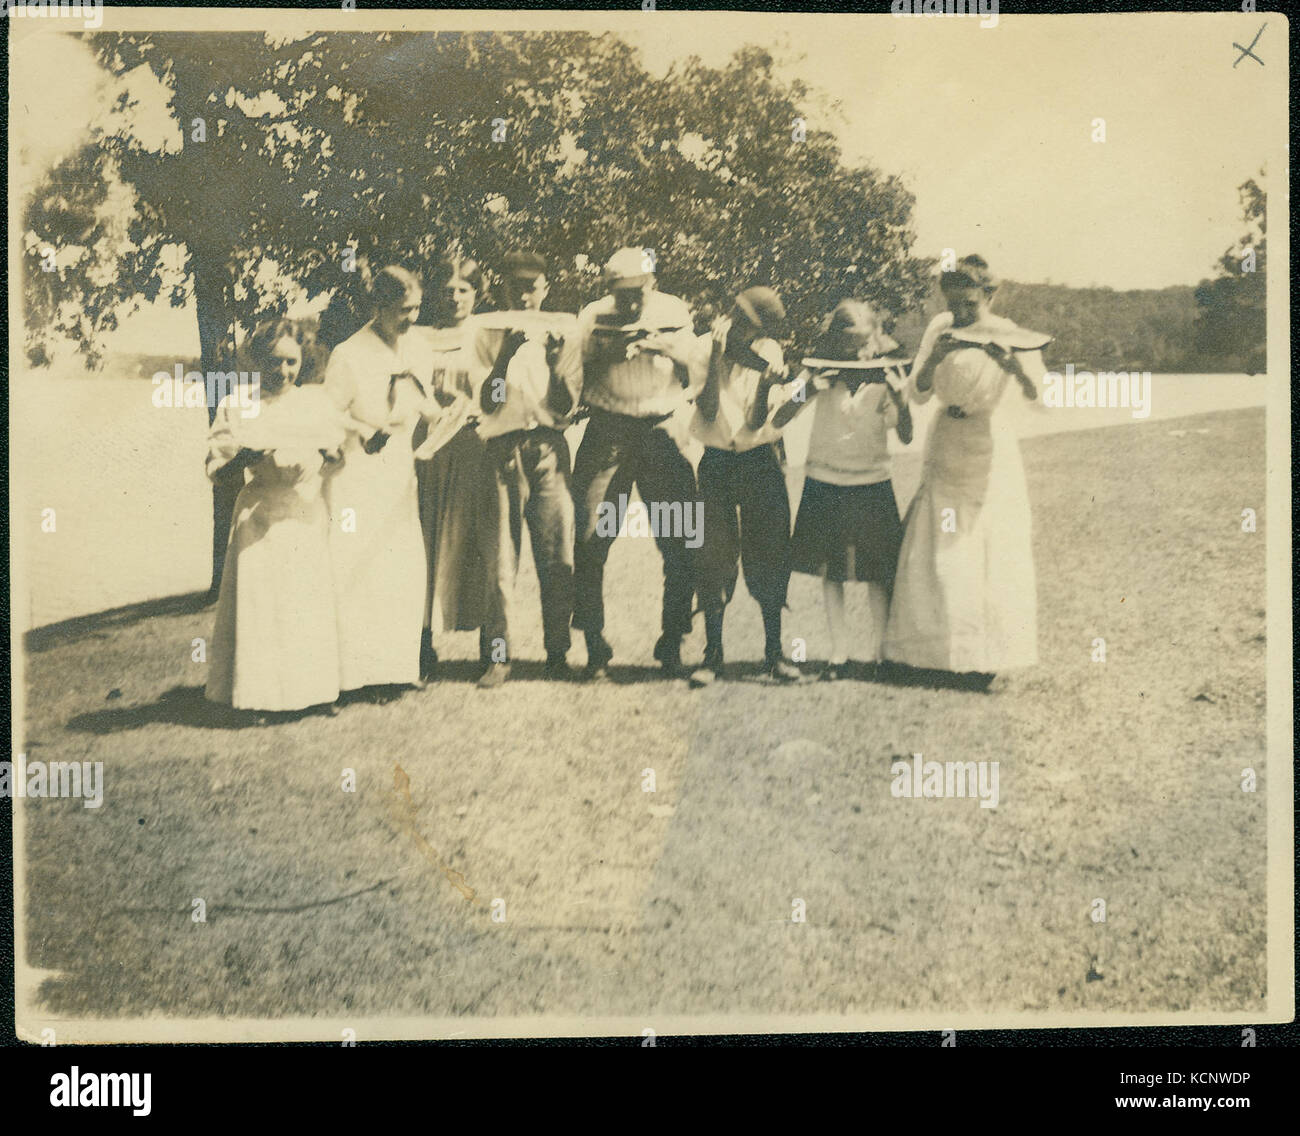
(98, 625)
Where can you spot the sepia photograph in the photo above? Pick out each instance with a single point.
(646, 524)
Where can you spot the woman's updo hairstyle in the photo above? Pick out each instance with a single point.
(851, 328)
(971, 272)
(394, 285)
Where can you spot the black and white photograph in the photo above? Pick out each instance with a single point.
(647, 523)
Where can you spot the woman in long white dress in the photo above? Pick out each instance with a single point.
(965, 596)
(380, 377)
(275, 642)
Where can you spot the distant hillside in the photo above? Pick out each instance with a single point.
(1101, 329)
(142, 365)
(1094, 328)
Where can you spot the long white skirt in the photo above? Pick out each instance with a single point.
(275, 641)
(379, 564)
(965, 597)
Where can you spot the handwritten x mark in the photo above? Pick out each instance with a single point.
(1245, 51)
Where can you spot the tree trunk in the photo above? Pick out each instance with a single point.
(210, 274)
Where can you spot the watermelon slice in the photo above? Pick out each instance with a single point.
(558, 323)
(1009, 339)
(882, 363)
(301, 419)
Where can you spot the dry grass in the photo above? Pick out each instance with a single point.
(1118, 781)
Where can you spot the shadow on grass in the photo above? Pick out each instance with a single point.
(858, 673)
(98, 625)
(186, 705)
(899, 674)
(181, 706)
(468, 671)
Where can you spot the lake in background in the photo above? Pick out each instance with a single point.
(132, 506)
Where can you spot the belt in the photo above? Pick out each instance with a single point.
(648, 420)
(520, 437)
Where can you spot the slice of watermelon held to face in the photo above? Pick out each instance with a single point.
(1009, 339)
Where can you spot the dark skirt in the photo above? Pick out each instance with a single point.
(451, 486)
(847, 532)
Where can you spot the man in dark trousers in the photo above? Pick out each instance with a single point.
(641, 366)
(746, 507)
(531, 375)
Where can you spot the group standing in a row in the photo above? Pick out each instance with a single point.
(387, 505)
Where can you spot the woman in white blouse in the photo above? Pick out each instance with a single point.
(381, 378)
(275, 642)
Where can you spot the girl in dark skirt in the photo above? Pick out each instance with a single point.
(848, 528)
(451, 463)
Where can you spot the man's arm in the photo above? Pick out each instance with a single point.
(707, 399)
(901, 415)
(564, 363)
(772, 375)
(495, 383)
(806, 388)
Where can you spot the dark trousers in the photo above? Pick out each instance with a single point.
(746, 522)
(618, 452)
(527, 482)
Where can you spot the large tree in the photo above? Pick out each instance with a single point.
(287, 154)
(404, 145)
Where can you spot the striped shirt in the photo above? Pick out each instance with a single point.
(646, 385)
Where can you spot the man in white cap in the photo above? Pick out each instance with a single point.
(642, 365)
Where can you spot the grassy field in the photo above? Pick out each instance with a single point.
(1119, 781)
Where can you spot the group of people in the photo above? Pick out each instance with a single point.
(386, 504)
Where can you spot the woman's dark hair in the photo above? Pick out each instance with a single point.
(971, 272)
(435, 310)
(257, 347)
(393, 285)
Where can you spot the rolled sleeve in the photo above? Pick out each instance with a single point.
(941, 323)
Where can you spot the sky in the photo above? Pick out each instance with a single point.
(992, 129)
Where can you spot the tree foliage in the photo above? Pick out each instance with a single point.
(1148, 329)
(1232, 324)
(408, 146)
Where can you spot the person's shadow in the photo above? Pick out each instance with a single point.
(468, 671)
(899, 674)
(187, 706)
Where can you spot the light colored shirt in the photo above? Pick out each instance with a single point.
(452, 396)
(359, 378)
(969, 378)
(737, 390)
(848, 443)
(528, 377)
(645, 385)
